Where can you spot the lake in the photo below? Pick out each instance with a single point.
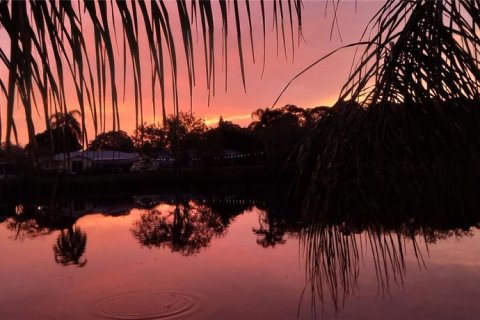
(217, 257)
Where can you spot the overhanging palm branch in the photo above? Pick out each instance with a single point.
(419, 51)
(404, 135)
(49, 50)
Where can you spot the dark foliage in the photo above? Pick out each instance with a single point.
(112, 141)
(232, 137)
(70, 247)
(389, 161)
(280, 130)
(187, 228)
(63, 135)
(58, 140)
(149, 139)
(403, 138)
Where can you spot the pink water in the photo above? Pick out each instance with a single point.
(233, 277)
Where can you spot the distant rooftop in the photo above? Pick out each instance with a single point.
(101, 155)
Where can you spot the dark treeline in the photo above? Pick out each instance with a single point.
(269, 139)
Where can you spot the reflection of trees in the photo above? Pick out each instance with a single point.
(433, 234)
(186, 229)
(226, 210)
(26, 228)
(29, 223)
(270, 231)
(25, 225)
(275, 220)
(70, 247)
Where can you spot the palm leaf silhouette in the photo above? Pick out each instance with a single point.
(48, 51)
(404, 132)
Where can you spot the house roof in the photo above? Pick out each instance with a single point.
(101, 155)
(105, 155)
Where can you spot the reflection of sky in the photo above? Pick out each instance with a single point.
(319, 86)
(234, 279)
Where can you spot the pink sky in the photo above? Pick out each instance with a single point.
(319, 86)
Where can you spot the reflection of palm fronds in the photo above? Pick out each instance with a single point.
(48, 51)
(335, 255)
(70, 247)
(332, 262)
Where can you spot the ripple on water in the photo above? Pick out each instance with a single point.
(145, 306)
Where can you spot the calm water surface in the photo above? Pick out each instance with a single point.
(190, 262)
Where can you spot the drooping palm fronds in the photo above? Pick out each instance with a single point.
(51, 43)
(420, 50)
(404, 135)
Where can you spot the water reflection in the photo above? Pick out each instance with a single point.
(334, 258)
(185, 225)
(32, 221)
(335, 255)
(26, 224)
(271, 230)
(70, 247)
(186, 228)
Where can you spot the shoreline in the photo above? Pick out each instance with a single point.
(226, 180)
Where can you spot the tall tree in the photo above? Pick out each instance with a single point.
(150, 138)
(67, 122)
(64, 135)
(112, 141)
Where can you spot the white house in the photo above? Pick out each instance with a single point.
(86, 160)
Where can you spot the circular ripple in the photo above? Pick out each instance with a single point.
(144, 306)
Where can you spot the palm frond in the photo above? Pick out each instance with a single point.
(403, 137)
(420, 50)
(48, 52)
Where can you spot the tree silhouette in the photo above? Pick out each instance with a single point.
(186, 229)
(150, 138)
(67, 122)
(64, 135)
(228, 135)
(112, 141)
(280, 130)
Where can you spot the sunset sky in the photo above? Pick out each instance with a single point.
(319, 86)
